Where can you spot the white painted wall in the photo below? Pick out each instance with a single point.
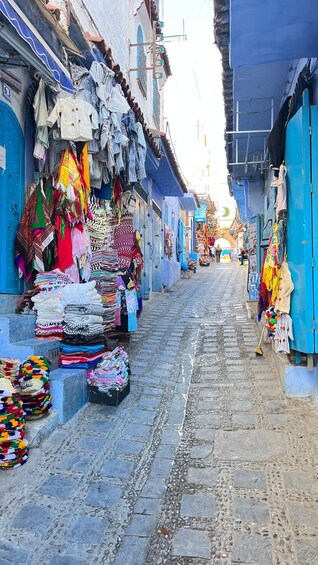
(111, 20)
(117, 22)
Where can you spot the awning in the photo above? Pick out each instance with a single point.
(263, 32)
(164, 172)
(33, 48)
(240, 193)
(189, 202)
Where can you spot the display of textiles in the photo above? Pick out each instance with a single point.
(84, 343)
(124, 240)
(35, 388)
(52, 279)
(49, 307)
(104, 263)
(35, 248)
(127, 305)
(13, 446)
(112, 372)
(106, 286)
(101, 228)
(49, 303)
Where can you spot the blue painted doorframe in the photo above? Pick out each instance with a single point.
(302, 211)
(11, 197)
(182, 241)
(314, 189)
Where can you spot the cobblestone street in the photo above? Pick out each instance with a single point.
(206, 461)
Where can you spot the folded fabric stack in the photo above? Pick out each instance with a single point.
(84, 342)
(9, 369)
(13, 447)
(106, 285)
(105, 278)
(52, 279)
(104, 262)
(50, 313)
(49, 303)
(35, 388)
(112, 373)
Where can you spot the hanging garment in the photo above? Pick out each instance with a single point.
(118, 309)
(284, 332)
(271, 271)
(281, 236)
(132, 307)
(277, 137)
(269, 213)
(40, 117)
(77, 118)
(281, 201)
(285, 289)
(71, 183)
(43, 230)
(34, 245)
(64, 243)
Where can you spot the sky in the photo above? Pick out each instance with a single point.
(195, 88)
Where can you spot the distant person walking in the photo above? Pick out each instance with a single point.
(243, 255)
(218, 252)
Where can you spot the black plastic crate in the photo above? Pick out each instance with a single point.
(111, 398)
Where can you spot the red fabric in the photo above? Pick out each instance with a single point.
(64, 244)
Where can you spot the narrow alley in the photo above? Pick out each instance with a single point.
(206, 461)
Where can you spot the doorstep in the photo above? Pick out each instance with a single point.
(297, 381)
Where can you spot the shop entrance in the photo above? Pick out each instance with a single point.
(157, 250)
(11, 196)
(302, 224)
(140, 224)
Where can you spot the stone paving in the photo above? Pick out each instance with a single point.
(206, 461)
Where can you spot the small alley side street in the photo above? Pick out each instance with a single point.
(206, 461)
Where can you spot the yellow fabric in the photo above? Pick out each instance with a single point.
(285, 289)
(275, 285)
(70, 181)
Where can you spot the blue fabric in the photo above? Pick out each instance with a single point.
(83, 348)
(132, 322)
(87, 365)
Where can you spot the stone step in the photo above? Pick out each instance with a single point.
(16, 327)
(44, 348)
(69, 392)
(36, 431)
(8, 303)
(36, 346)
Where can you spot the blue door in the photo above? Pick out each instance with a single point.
(300, 226)
(11, 196)
(314, 190)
